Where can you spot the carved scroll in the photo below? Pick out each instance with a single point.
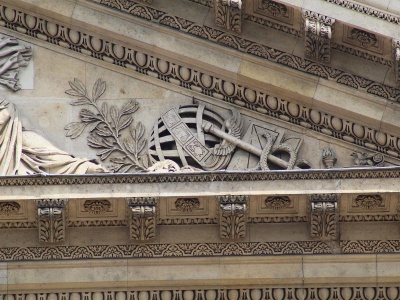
(232, 216)
(13, 56)
(142, 218)
(318, 34)
(324, 216)
(229, 14)
(51, 220)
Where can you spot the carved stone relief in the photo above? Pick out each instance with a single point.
(232, 217)
(25, 152)
(368, 159)
(318, 35)
(106, 125)
(142, 218)
(362, 39)
(97, 207)
(329, 158)
(324, 216)
(187, 204)
(13, 56)
(51, 215)
(229, 14)
(9, 208)
(208, 140)
(278, 202)
(274, 10)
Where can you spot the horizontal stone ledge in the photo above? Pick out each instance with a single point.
(351, 180)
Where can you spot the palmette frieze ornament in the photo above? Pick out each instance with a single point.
(229, 14)
(142, 218)
(51, 216)
(318, 35)
(324, 216)
(13, 56)
(232, 217)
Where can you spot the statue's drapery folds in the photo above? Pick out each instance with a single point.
(26, 152)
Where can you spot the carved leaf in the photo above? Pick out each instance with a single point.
(104, 109)
(77, 88)
(98, 89)
(97, 142)
(139, 138)
(129, 107)
(114, 116)
(103, 130)
(124, 122)
(80, 101)
(88, 116)
(105, 153)
(75, 129)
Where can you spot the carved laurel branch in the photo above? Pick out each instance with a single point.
(106, 126)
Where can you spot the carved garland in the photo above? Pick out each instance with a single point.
(253, 293)
(213, 86)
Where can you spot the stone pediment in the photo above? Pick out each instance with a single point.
(243, 132)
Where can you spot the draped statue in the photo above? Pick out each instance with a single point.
(26, 152)
(12, 57)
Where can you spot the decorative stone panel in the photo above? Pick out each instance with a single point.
(324, 216)
(233, 217)
(51, 215)
(142, 218)
(363, 39)
(229, 14)
(274, 10)
(318, 35)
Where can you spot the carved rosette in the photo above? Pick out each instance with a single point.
(51, 215)
(232, 216)
(277, 202)
(369, 202)
(229, 14)
(187, 204)
(142, 218)
(318, 35)
(324, 216)
(396, 47)
(9, 208)
(97, 207)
